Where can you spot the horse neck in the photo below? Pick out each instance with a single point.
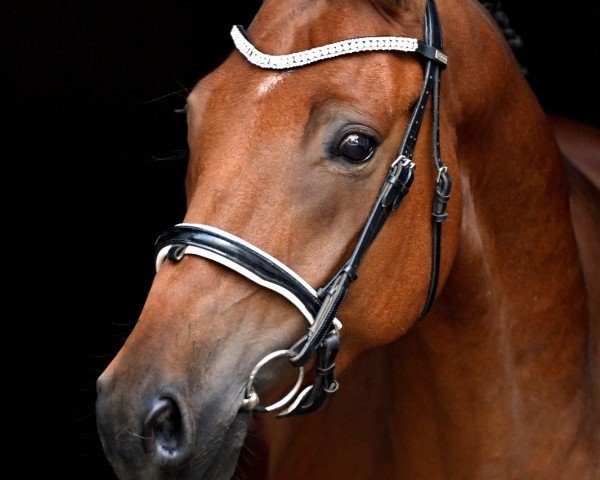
(495, 381)
(503, 355)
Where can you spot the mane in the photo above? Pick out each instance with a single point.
(514, 40)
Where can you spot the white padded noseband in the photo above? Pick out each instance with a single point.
(250, 275)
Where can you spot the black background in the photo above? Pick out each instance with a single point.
(96, 86)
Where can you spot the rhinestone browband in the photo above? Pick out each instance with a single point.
(332, 50)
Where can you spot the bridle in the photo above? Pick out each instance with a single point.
(320, 307)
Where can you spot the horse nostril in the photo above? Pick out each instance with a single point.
(164, 425)
(166, 432)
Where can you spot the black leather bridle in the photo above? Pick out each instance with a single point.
(322, 338)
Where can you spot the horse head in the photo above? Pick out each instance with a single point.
(292, 161)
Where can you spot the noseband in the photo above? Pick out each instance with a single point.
(320, 307)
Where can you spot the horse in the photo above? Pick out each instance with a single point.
(499, 379)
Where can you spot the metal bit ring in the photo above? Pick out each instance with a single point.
(251, 400)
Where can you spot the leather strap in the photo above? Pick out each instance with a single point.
(393, 191)
(433, 36)
(395, 188)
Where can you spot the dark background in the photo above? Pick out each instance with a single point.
(96, 87)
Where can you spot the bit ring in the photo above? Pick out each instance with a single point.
(251, 400)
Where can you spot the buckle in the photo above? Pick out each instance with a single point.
(442, 195)
(398, 182)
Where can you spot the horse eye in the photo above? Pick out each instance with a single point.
(356, 147)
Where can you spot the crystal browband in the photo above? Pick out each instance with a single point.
(332, 50)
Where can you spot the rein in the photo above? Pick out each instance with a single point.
(320, 307)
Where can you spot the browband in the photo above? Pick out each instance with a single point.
(332, 50)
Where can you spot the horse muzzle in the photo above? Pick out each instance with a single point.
(153, 435)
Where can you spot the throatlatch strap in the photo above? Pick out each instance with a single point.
(433, 36)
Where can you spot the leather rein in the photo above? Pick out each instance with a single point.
(320, 307)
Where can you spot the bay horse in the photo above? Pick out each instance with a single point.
(498, 380)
